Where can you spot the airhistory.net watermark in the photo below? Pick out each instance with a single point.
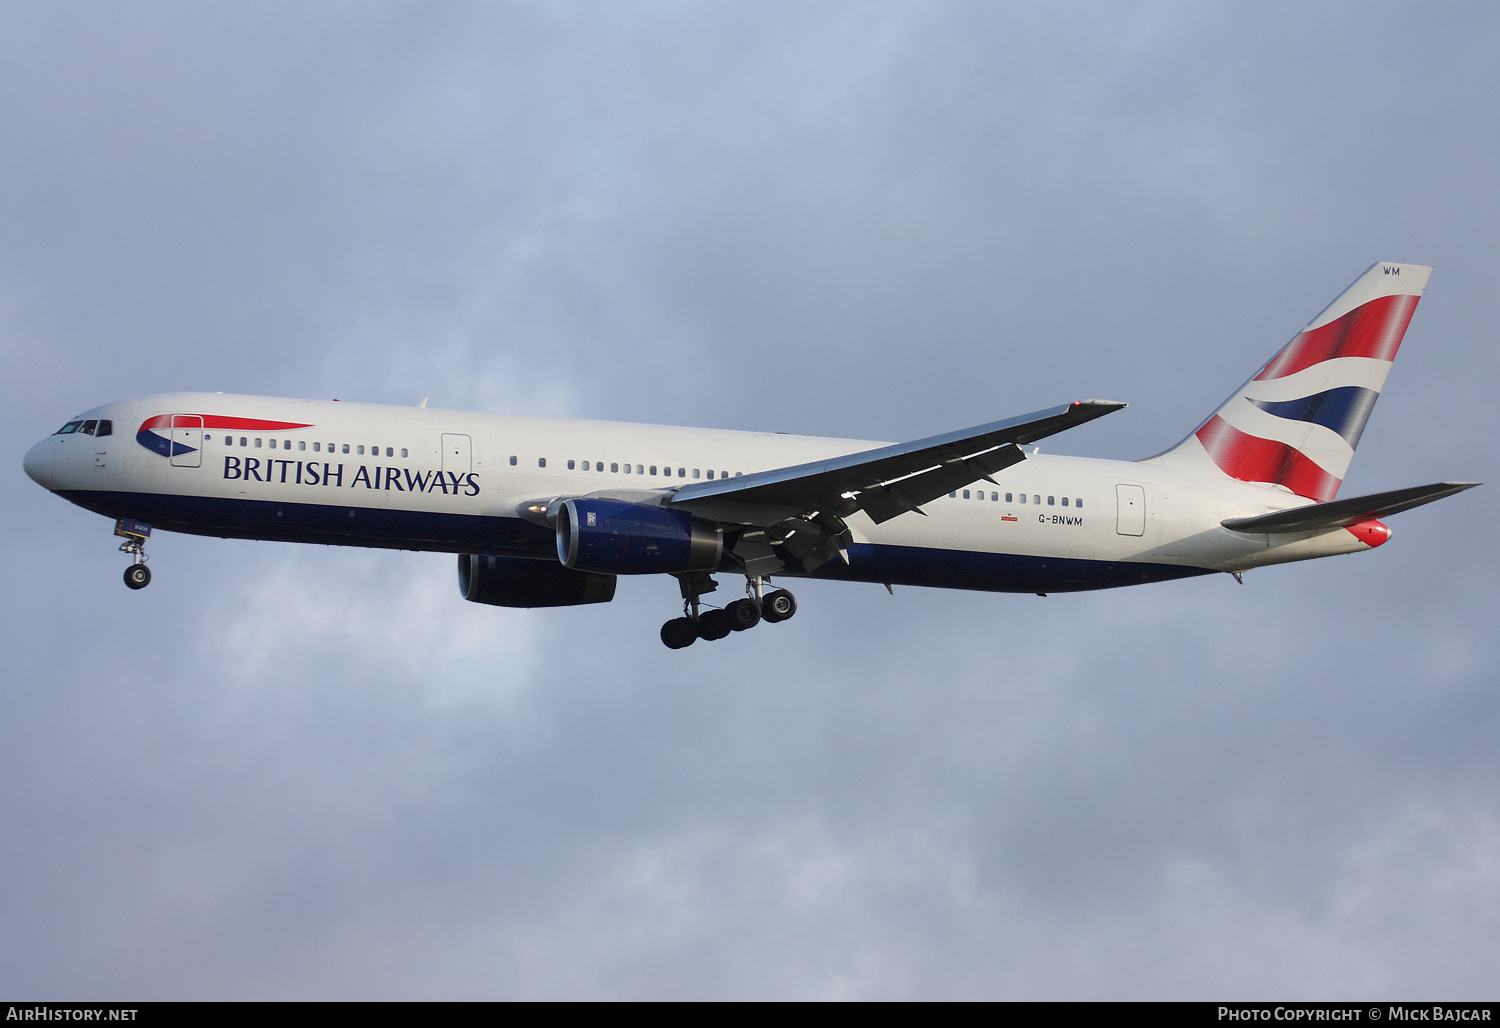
(51, 1012)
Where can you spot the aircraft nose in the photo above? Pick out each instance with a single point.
(38, 463)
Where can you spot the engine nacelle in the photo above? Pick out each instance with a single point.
(620, 538)
(519, 582)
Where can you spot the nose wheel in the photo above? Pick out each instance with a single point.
(712, 625)
(135, 533)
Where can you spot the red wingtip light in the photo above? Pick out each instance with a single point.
(1371, 533)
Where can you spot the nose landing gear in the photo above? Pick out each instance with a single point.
(712, 625)
(135, 533)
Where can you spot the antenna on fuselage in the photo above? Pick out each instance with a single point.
(423, 404)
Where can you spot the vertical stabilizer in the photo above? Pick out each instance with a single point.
(1297, 422)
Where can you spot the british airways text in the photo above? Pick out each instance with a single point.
(296, 472)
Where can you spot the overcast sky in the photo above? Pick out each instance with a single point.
(299, 772)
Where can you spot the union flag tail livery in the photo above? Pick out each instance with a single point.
(543, 512)
(1297, 422)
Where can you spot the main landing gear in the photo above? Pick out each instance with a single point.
(135, 533)
(713, 624)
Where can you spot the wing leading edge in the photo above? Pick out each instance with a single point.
(884, 482)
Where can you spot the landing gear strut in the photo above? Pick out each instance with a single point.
(135, 533)
(737, 616)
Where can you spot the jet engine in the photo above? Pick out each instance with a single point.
(519, 582)
(619, 538)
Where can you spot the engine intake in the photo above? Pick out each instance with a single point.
(620, 538)
(519, 582)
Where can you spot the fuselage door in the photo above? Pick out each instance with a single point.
(187, 440)
(456, 456)
(1130, 518)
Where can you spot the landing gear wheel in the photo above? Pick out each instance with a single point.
(138, 576)
(778, 605)
(678, 633)
(742, 614)
(713, 625)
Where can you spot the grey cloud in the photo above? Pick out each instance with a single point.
(302, 772)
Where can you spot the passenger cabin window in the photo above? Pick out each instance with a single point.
(966, 494)
(1065, 501)
(1052, 501)
(301, 444)
(541, 462)
(615, 467)
(1023, 497)
(512, 460)
(653, 469)
(403, 451)
(572, 464)
(358, 449)
(1035, 498)
(1077, 502)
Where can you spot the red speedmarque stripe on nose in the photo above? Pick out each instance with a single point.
(218, 421)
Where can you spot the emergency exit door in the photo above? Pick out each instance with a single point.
(456, 454)
(1130, 515)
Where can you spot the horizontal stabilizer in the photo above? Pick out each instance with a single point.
(1340, 513)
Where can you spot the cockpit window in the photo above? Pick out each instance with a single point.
(69, 428)
(105, 428)
(88, 427)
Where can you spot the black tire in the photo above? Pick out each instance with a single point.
(742, 614)
(713, 625)
(679, 633)
(138, 576)
(778, 605)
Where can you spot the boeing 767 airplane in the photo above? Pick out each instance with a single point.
(547, 513)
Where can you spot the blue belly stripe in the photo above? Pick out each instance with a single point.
(436, 531)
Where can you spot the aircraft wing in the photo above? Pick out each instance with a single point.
(884, 482)
(1339, 513)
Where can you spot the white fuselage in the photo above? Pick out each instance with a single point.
(454, 481)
